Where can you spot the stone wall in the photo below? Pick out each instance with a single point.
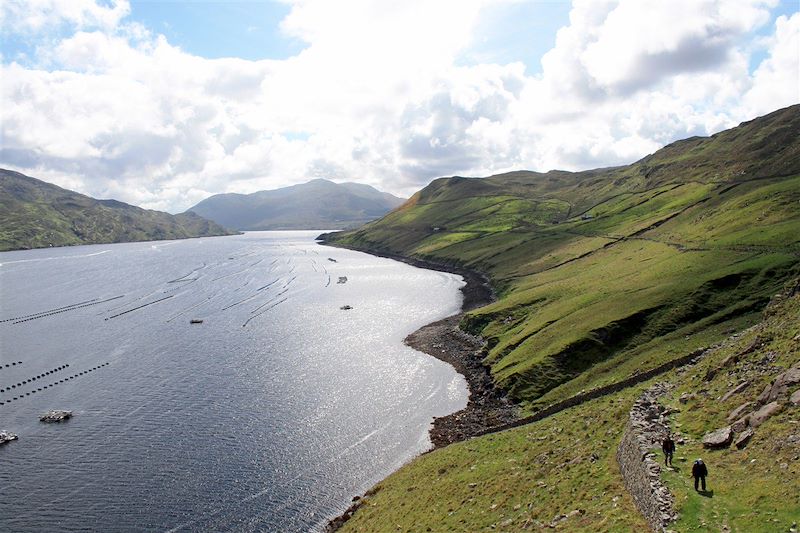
(640, 471)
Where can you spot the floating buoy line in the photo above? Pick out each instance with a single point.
(49, 385)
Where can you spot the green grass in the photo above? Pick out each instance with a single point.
(514, 481)
(752, 491)
(683, 248)
(520, 479)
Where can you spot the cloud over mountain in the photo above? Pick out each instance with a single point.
(113, 109)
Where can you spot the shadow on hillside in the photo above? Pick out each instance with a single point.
(706, 493)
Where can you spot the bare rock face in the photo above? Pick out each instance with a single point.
(758, 418)
(7, 436)
(720, 438)
(56, 416)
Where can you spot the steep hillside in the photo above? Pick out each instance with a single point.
(606, 272)
(313, 205)
(36, 214)
(561, 472)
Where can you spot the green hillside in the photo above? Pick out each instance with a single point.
(36, 214)
(561, 473)
(603, 272)
(601, 275)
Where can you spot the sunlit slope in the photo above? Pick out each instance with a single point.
(597, 269)
(561, 472)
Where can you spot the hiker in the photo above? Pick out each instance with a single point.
(668, 447)
(699, 472)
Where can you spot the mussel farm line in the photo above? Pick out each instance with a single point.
(34, 378)
(53, 384)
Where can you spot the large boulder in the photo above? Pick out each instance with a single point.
(760, 416)
(720, 438)
(743, 438)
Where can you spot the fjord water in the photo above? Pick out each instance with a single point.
(268, 416)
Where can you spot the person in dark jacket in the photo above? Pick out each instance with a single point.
(668, 447)
(699, 472)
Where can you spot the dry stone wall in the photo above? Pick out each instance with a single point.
(640, 471)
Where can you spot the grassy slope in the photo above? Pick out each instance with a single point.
(683, 248)
(690, 241)
(36, 214)
(525, 477)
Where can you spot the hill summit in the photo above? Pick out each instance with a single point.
(316, 204)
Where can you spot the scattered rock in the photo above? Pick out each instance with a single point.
(342, 279)
(739, 411)
(685, 397)
(720, 438)
(743, 438)
(758, 418)
(736, 390)
(56, 416)
(346, 307)
(7, 436)
(780, 387)
(741, 424)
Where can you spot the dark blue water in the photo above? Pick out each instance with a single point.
(268, 416)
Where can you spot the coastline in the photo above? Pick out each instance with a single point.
(487, 406)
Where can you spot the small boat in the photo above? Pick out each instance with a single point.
(196, 321)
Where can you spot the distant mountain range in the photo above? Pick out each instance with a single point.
(37, 214)
(318, 204)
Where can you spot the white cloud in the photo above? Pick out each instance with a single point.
(22, 16)
(776, 81)
(376, 96)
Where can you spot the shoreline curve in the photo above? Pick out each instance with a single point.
(487, 406)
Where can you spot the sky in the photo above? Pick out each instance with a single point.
(164, 103)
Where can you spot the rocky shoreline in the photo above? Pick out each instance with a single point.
(487, 406)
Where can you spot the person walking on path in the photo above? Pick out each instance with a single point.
(699, 472)
(668, 447)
